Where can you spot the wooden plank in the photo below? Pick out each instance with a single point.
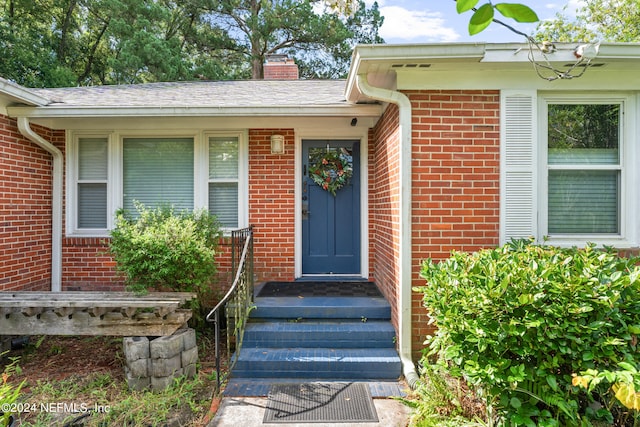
(95, 296)
(81, 299)
(92, 303)
(82, 323)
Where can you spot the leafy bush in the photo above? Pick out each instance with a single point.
(520, 321)
(161, 249)
(9, 393)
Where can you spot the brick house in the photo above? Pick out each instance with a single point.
(453, 146)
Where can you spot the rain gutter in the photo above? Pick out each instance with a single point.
(405, 252)
(56, 200)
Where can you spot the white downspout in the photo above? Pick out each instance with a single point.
(405, 252)
(56, 200)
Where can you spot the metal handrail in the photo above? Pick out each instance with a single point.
(237, 302)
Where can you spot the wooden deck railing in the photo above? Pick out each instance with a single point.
(238, 302)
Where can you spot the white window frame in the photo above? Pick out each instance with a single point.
(243, 174)
(628, 154)
(115, 174)
(73, 156)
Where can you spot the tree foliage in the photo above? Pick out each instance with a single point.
(484, 15)
(318, 39)
(52, 43)
(603, 20)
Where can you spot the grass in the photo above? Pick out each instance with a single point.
(69, 384)
(442, 401)
(101, 400)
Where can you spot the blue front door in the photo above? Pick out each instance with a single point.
(331, 223)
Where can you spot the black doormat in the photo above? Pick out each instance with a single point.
(319, 289)
(320, 403)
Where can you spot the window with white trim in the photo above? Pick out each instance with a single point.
(108, 171)
(584, 171)
(223, 179)
(92, 183)
(568, 172)
(158, 171)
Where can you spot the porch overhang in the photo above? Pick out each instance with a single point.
(60, 111)
(485, 66)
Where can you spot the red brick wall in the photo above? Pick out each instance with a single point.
(87, 265)
(455, 175)
(455, 193)
(384, 186)
(25, 210)
(271, 205)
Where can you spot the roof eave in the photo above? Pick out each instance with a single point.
(21, 95)
(381, 61)
(368, 110)
(388, 53)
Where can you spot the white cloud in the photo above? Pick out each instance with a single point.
(567, 7)
(403, 24)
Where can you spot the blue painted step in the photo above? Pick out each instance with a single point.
(317, 338)
(261, 386)
(361, 308)
(324, 363)
(318, 334)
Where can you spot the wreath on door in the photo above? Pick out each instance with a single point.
(332, 171)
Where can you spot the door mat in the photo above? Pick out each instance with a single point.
(320, 403)
(319, 289)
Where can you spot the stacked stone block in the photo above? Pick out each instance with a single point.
(156, 363)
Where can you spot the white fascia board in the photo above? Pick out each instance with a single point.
(20, 94)
(290, 111)
(409, 52)
(491, 79)
(564, 52)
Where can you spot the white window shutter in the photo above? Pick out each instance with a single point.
(518, 153)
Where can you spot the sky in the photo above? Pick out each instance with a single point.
(432, 21)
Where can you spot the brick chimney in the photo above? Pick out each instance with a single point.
(280, 67)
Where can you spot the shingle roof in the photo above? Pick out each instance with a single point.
(222, 94)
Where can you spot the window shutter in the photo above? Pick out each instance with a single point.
(518, 218)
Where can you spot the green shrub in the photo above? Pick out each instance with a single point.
(164, 250)
(520, 321)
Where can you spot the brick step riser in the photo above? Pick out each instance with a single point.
(318, 343)
(343, 370)
(320, 363)
(319, 313)
(319, 334)
(319, 340)
(368, 373)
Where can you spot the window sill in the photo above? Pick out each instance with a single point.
(617, 242)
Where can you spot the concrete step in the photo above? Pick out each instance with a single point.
(336, 364)
(297, 308)
(318, 334)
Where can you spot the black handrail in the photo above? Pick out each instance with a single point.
(238, 301)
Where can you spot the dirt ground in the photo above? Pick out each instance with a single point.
(58, 358)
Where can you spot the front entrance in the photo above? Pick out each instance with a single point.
(331, 222)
